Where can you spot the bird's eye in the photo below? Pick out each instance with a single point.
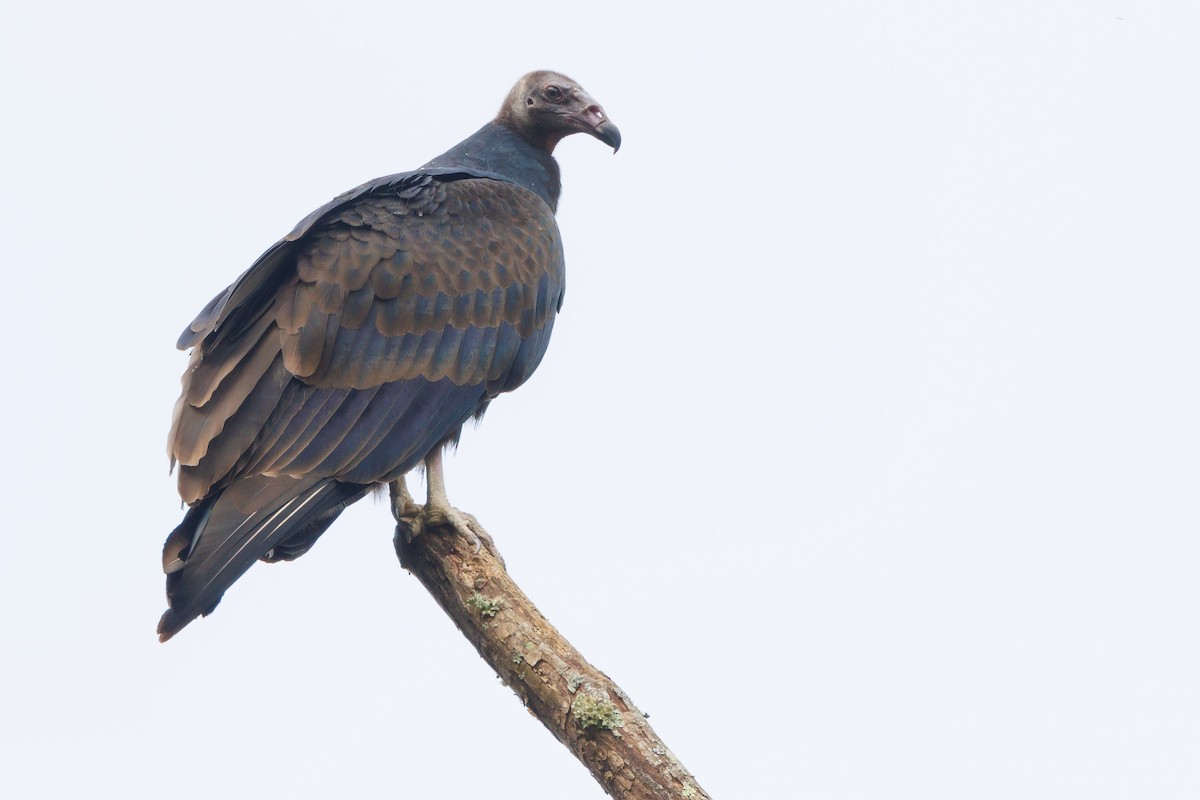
(552, 93)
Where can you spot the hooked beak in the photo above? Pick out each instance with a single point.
(594, 121)
(609, 134)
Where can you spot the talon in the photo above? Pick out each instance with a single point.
(463, 524)
(437, 511)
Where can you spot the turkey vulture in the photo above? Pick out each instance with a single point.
(356, 347)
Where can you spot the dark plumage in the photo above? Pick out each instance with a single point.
(359, 344)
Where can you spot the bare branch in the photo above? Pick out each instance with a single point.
(578, 703)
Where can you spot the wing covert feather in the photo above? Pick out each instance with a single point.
(486, 254)
(405, 314)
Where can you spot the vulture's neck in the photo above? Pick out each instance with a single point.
(501, 150)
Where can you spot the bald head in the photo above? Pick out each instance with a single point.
(546, 106)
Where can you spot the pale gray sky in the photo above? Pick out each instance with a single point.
(864, 457)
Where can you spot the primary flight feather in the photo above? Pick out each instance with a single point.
(357, 346)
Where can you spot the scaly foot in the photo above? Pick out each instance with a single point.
(416, 519)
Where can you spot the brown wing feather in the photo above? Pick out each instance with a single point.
(381, 295)
(457, 267)
(213, 390)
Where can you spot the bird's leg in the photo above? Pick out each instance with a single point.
(413, 519)
(409, 519)
(438, 511)
(404, 508)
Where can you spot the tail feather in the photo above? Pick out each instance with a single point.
(222, 536)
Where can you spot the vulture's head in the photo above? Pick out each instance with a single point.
(545, 106)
